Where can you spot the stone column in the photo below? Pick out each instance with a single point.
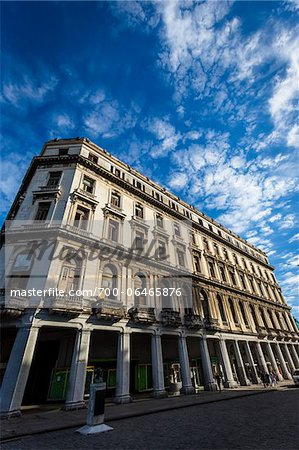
(251, 362)
(285, 371)
(229, 379)
(273, 361)
(261, 357)
(295, 355)
(243, 378)
(122, 393)
(289, 358)
(209, 381)
(76, 386)
(187, 387)
(157, 367)
(17, 371)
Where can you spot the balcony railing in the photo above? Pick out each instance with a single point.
(193, 321)
(170, 318)
(64, 305)
(211, 324)
(143, 315)
(109, 310)
(11, 307)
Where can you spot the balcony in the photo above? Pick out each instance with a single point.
(170, 318)
(272, 333)
(64, 305)
(85, 195)
(143, 315)
(211, 324)
(193, 321)
(111, 310)
(261, 331)
(11, 307)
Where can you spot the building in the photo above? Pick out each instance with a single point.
(135, 285)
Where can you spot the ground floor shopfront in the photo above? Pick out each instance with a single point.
(56, 360)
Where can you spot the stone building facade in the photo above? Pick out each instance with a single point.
(157, 297)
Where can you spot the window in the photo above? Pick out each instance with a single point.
(206, 244)
(139, 240)
(196, 259)
(157, 195)
(232, 276)
(54, 179)
(140, 284)
(172, 205)
(109, 281)
(161, 249)
(216, 249)
(233, 311)
(211, 268)
(88, 184)
(222, 272)
(200, 222)
(193, 238)
(81, 218)
(244, 315)
(117, 173)
(235, 258)
(221, 308)
(139, 211)
(63, 151)
(181, 258)
(242, 278)
(244, 263)
(254, 316)
(113, 230)
(210, 227)
(205, 305)
(219, 232)
(115, 199)
(159, 219)
(92, 157)
(251, 284)
(70, 278)
(138, 184)
(225, 254)
(176, 229)
(42, 211)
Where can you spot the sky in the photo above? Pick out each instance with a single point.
(202, 97)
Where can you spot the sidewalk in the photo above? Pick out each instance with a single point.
(53, 420)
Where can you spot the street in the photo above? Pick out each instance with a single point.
(265, 421)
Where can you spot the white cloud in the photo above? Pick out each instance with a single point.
(178, 180)
(108, 119)
(294, 238)
(64, 122)
(288, 221)
(28, 90)
(166, 135)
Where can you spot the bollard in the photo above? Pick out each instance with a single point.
(96, 411)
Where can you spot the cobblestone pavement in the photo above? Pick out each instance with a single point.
(265, 421)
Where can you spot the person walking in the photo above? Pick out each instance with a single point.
(218, 381)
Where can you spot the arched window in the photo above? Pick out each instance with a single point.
(254, 316)
(139, 286)
(205, 304)
(70, 273)
(185, 300)
(109, 281)
(243, 312)
(233, 311)
(221, 308)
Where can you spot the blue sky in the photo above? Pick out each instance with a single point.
(200, 96)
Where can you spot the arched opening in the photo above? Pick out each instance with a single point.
(205, 304)
(233, 310)
(139, 289)
(109, 281)
(221, 308)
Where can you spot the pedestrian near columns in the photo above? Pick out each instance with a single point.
(218, 378)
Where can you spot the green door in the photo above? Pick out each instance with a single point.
(58, 384)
